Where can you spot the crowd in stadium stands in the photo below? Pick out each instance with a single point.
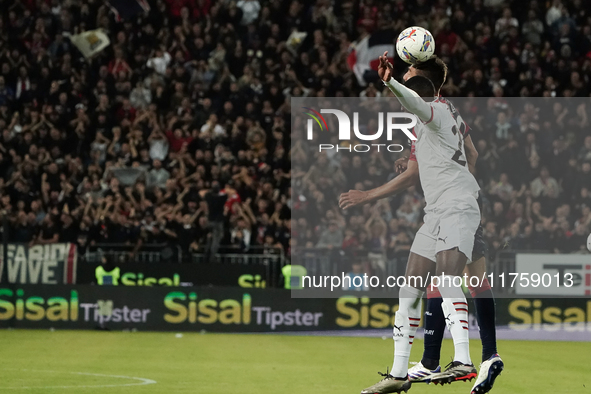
(179, 132)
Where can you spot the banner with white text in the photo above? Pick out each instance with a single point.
(49, 264)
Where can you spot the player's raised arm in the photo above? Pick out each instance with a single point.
(408, 178)
(385, 68)
(410, 99)
(407, 97)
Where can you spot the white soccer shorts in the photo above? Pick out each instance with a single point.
(452, 224)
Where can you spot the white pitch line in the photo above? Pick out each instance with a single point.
(142, 381)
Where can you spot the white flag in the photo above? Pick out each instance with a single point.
(294, 41)
(90, 42)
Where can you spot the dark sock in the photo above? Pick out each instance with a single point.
(484, 304)
(434, 329)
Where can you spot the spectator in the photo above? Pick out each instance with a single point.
(158, 175)
(140, 96)
(6, 93)
(584, 178)
(212, 128)
(22, 230)
(554, 12)
(49, 232)
(376, 229)
(502, 189)
(399, 246)
(241, 233)
(250, 10)
(331, 237)
(188, 97)
(585, 152)
(158, 145)
(576, 242)
(533, 29)
(409, 213)
(216, 202)
(545, 185)
(160, 61)
(505, 23)
(354, 279)
(69, 231)
(503, 127)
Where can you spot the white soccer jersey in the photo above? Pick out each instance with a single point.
(439, 150)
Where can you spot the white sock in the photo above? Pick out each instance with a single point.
(455, 310)
(406, 323)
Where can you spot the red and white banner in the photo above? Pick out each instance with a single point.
(49, 264)
(365, 53)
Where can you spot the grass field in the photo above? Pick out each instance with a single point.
(102, 362)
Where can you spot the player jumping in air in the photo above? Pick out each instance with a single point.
(428, 369)
(445, 241)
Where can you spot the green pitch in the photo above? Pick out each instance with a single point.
(76, 362)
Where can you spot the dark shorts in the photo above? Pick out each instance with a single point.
(480, 248)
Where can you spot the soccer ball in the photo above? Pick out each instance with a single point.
(415, 45)
(589, 243)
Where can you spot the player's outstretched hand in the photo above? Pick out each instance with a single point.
(401, 165)
(385, 68)
(352, 198)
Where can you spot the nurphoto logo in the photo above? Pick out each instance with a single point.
(390, 119)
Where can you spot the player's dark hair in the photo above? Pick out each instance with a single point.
(421, 85)
(435, 69)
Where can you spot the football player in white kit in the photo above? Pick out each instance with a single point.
(444, 243)
(428, 369)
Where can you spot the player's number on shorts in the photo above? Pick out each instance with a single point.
(456, 157)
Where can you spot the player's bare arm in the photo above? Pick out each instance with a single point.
(408, 178)
(385, 68)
